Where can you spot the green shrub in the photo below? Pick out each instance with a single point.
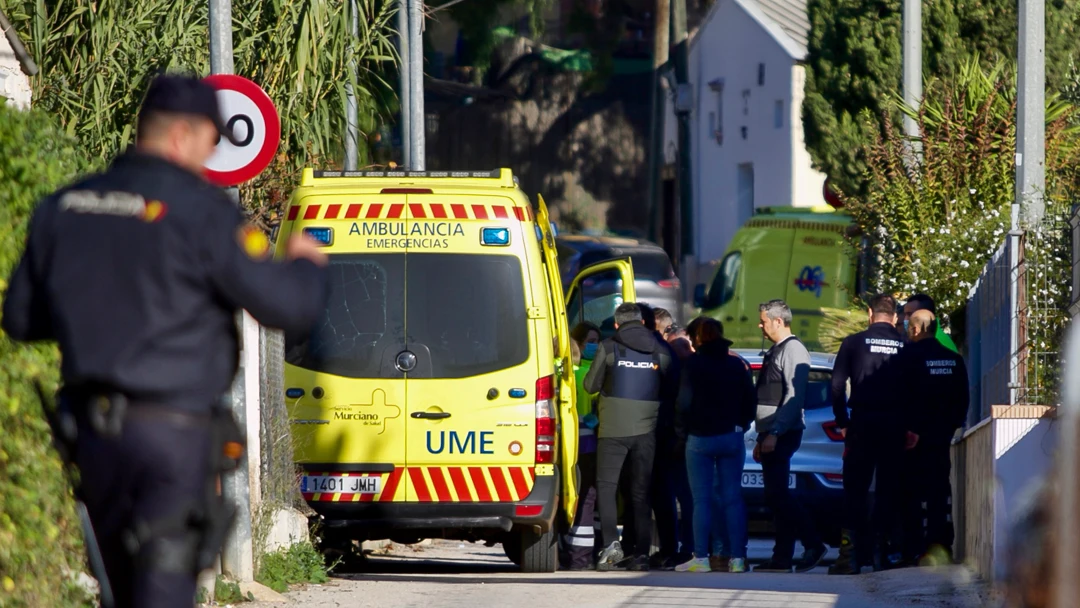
(300, 563)
(40, 538)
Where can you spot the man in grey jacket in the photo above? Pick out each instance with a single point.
(781, 391)
(631, 372)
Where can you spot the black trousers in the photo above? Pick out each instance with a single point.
(637, 453)
(873, 448)
(153, 471)
(671, 485)
(793, 522)
(927, 495)
(581, 539)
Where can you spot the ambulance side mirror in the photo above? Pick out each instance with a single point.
(699, 295)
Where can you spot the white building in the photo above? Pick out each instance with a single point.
(14, 83)
(747, 147)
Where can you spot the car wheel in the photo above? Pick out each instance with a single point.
(539, 552)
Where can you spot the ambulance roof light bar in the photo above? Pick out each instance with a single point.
(499, 178)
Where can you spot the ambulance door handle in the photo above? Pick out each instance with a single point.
(730, 319)
(431, 415)
(743, 319)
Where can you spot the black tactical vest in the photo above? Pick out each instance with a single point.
(770, 384)
(635, 375)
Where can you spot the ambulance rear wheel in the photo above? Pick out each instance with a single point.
(539, 552)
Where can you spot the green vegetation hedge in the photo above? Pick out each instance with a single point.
(40, 539)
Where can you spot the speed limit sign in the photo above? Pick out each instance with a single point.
(249, 112)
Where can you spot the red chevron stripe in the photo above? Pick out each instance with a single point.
(332, 212)
(439, 481)
(417, 211)
(438, 210)
(392, 481)
(374, 210)
(353, 212)
(532, 473)
(459, 212)
(312, 212)
(500, 484)
(480, 212)
(519, 482)
(500, 212)
(482, 490)
(294, 212)
(460, 484)
(416, 475)
(395, 211)
(519, 213)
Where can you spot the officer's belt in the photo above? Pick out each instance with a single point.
(130, 407)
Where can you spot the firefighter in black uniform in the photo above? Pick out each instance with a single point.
(875, 433)
(935, 383)
(138, 273)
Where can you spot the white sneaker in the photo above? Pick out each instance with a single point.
(609, 557)
(737, 565)
(698, 564)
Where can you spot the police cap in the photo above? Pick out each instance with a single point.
(180, 94)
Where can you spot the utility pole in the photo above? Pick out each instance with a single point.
(912, 66)
(683, 104)
(416, 83)
(403, 85)
(237, 556)
(661, 48)
(1031, 114)
(352, 109)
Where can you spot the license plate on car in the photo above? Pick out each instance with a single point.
(756, 479)
(340, 485)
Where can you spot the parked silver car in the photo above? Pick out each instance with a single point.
(654, 276)
(817, 468)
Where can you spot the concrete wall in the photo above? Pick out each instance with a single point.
(996, 465)
(14, 84)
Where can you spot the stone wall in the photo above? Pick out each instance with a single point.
(14, 84)
(583, 149)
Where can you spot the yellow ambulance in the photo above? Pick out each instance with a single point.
(435, 398)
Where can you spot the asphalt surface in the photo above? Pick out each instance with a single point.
(454, 574)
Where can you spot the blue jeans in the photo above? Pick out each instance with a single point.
(715, 466)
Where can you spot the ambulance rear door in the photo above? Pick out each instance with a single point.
(473, 373)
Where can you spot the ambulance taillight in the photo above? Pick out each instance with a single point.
(545, 420)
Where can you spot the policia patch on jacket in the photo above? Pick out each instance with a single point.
(253, 242)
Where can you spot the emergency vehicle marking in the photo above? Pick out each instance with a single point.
(464, 444)
(418, 211)
(441, 484)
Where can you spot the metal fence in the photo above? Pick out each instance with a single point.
(278, 473)
(1016, 316)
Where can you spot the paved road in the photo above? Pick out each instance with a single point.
(451, 574)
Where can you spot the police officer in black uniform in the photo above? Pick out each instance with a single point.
(631, 372)
(875, 433)
(138, 273)
(935, 383)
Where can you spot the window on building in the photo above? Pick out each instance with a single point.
(761, 74)
(778, 114)
(746, 190)
(716, 119)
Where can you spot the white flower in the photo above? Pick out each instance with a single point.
(971, 190)
(964, 264)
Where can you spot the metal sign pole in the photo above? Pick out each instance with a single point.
(1031, 113)
(912, 67)
(237, 557)
(416, 83)
(404, 78)
(352, 122)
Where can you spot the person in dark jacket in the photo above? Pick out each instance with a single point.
(935, 383)
(780, 422)
(717, 403)
(671, 494)
(138, 274)
(875, 433)
(632, 374)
